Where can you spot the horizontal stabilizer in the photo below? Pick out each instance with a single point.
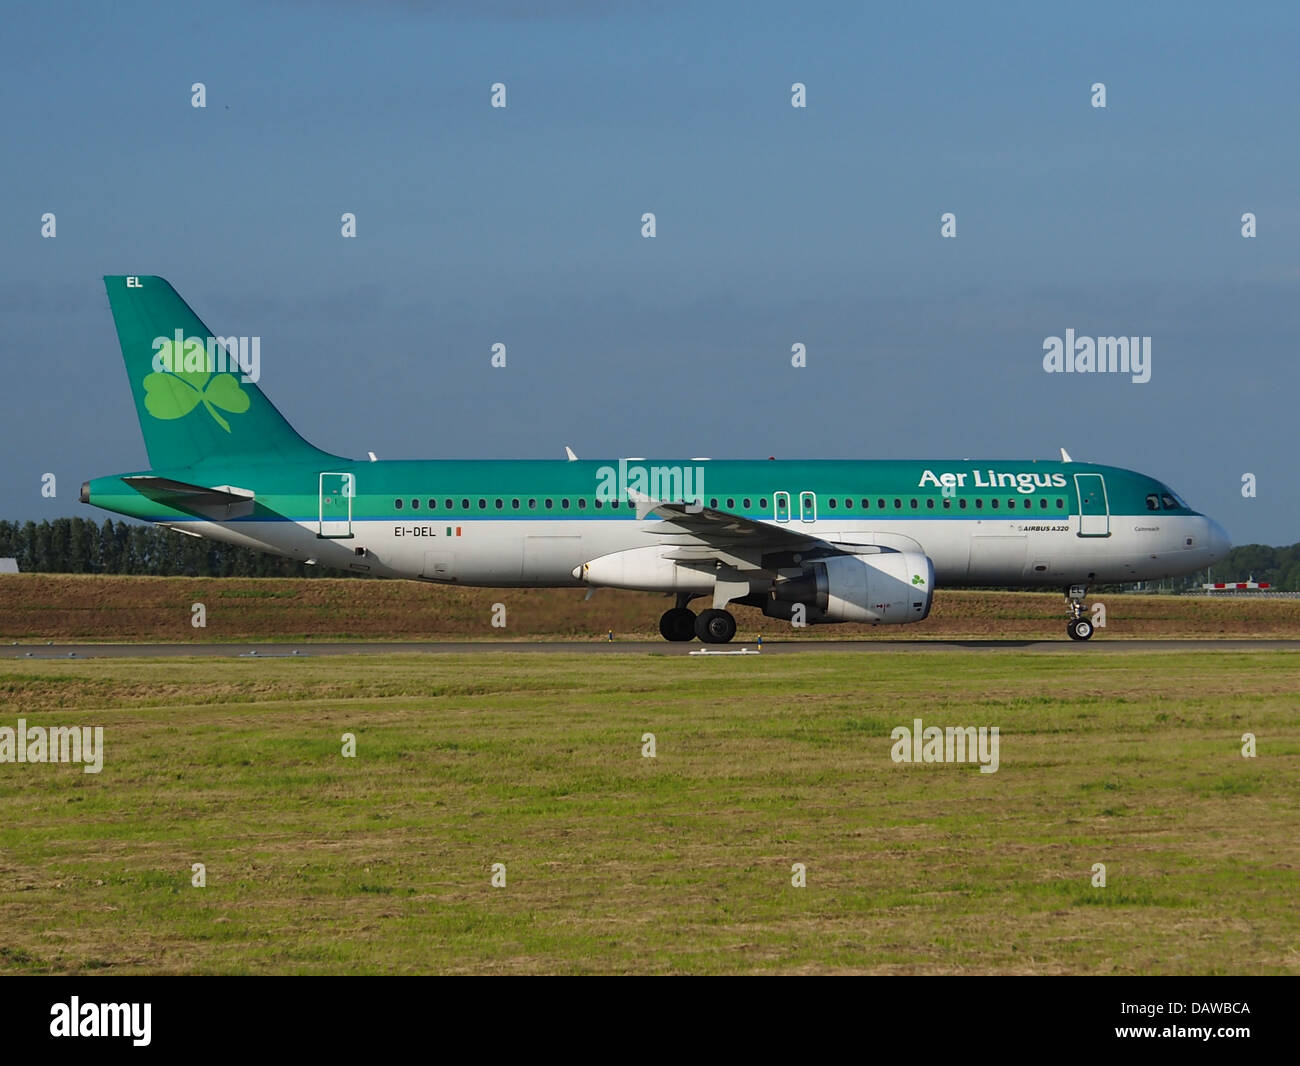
(223, 501)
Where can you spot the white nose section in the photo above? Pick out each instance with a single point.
(1217, 540)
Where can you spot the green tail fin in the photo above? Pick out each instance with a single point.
(190, 394)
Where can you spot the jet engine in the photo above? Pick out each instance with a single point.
(891, 588)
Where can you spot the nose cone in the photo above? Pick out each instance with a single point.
(1218, 543)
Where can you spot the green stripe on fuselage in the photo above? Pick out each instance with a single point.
(289, 492)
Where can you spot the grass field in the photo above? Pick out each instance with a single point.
(680, 863)
(63, 607)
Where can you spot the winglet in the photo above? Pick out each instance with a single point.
(569, 454)
(1065, 456)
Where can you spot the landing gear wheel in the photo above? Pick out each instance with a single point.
(678, 624)
(715, 627)
(1079, 626)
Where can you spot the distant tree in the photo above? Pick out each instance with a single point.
(60, 559)
(1280, 567)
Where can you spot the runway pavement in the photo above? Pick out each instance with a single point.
(649, 647)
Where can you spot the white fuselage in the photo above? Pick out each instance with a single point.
(526, 552)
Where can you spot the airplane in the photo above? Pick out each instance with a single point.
(805, 541)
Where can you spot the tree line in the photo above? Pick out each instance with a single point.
(81, 546)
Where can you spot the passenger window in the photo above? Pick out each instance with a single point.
(449, 503)
(433, 505)
(913, 505)
(1060, 504)
(415, 505)
(582, 503)
(947, 504)
(962, 503)
(994, 504)
(550, 504)
(762, 504)
(880, 504)
(866, 504)
(514, 504)
(482, 504)
(500, 503)
(898, 505)
(598, 505)
(831, 502)
(979, 505)
(397, 504)
(930, 503)
(1042, 504)
(464, 505)
(731, 504)
(564, 504)
(746, 504)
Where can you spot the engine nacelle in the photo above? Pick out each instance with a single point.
(892, 588)
(646, 569)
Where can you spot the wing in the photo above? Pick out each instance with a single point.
(701, 534)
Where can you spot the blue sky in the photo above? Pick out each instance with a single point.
(775, 226)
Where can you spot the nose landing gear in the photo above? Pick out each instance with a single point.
(1079, 627)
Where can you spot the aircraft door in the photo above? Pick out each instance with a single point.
(337, 492)
(1094, 509)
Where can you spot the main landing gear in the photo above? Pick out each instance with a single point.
(681, 623)
(1079, 626)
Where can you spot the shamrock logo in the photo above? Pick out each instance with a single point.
(174, 394)
(917, 579)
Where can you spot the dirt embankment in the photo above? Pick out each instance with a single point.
(62, 607)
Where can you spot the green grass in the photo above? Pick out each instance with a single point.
(682, 863)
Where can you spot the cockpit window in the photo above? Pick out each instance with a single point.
(1170, 503)
(1153, 502)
